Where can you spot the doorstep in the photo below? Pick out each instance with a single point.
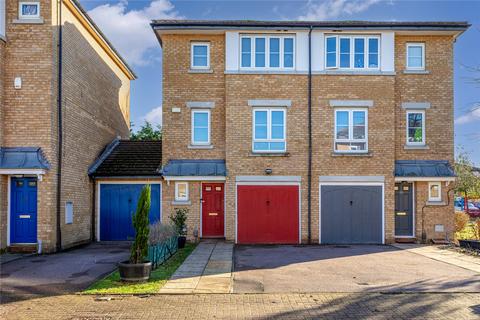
(22, 248)
(208, 269)
(405, 239)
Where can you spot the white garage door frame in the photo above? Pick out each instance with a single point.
(270, 181)
(100, 183)
(377, 181)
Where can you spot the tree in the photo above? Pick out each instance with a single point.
(141, 224)
(147, 132)
(468, 183)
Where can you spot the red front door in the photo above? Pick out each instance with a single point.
(212, 210)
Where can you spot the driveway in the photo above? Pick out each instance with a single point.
(61, 273)
(280, 269)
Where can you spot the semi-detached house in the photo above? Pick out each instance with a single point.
(300, 132)
(285, 132)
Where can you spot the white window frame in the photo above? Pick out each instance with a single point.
(194, 111)
(177, 196)
(69, 210)
(269, 130)
(22, 3)
(192, 45)
(430, 197)
(415, 44)
(350, 130)
(267, 37)
(352, 38)
(423, 128)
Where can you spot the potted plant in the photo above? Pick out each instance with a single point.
(179, 219)
(137, 268)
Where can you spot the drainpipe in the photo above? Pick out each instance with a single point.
(309, 176)
(60, 129)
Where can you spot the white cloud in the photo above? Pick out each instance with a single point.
(472, 115)
(154, 116)
(129, 30)
(332, 9)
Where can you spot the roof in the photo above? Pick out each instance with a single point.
(128, 158)
(80, 13)
(195, 168)
(23, 158)
(423, 168)
(395, 25)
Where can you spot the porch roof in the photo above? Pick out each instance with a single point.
(20, 158)
(195, 168)
(423, 168)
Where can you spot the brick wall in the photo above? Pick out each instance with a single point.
(3, 186)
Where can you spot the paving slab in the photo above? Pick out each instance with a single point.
(208, 269)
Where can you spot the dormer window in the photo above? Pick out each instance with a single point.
(29, 10)
(352, 52)
(265, 52)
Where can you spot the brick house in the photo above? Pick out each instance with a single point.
(58, 109)
(297, 132)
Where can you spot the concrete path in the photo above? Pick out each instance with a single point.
(54, 274)
(445, 255)
(208, 269)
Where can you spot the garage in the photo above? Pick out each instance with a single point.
(351, 214)
(268, 214)
(118, 203)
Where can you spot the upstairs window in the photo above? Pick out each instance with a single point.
(269, 130)
(351, 130)
(267, 52)
(29, 10)
(200, 127)
(352, 52)
(200, 55)
(415, 56)
(416, 127)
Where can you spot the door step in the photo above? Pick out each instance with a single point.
(22, 248)
(406, 240)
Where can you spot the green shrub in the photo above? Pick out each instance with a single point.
(179, 221)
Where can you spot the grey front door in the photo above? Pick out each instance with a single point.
(404, 209)
(351, 214)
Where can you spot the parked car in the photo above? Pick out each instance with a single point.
(473, 211)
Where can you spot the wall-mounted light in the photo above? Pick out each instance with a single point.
(268, 171)
(17, 83)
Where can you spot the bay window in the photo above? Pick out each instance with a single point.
(351, 130)
(269, 127)
(352, 52)
(267, 52)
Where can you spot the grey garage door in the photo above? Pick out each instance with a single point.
(351, 214)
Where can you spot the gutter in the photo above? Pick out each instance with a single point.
(309, 175)
(60, 129)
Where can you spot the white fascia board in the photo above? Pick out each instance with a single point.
(409, 179)
(351, 179)
(387, 51)
(268, 178)
(232, 49)
(194, 178)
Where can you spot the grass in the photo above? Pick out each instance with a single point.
(113, 285)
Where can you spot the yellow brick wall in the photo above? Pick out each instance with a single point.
(3, 180)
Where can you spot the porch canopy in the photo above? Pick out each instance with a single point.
(23, 160)
(195, 169)
(423, 170)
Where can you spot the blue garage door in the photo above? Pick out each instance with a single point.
(118, 203)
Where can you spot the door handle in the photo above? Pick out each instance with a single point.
(24, 216)
(401, 213)
(213, 214)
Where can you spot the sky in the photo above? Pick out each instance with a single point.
(126, 24)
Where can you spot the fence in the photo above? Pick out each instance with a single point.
(161, 252)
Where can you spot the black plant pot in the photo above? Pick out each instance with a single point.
(181, 242)
(134, 272)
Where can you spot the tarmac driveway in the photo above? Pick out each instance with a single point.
(368, 268)
(61, 273)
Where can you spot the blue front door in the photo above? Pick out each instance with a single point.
(23, 210)
(118, 203)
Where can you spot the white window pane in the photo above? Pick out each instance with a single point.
(358, 132)
(350, 146)
(288, 53)
(260, 52)
(345, 53)
(359, 57)
(29, 10)
(200, 119)
(277, 146)
(415, 119)
(274, 52)
(277, 132)
(342, 132)
(200, 61)
(434, 191)
(415, 135)
(200, 50)
(277, 117)
(260, 146)
(342, 118)
(415, 62)
(200, 135)
(261, 132)
(246, 52)
(415, 51)
(260, 117)
(373, 46)
(331, 52)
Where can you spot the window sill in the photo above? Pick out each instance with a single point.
(181, 203)
(200, 71)
(357, 72)
(420, 147)
(205, 147)
(269, 154)
(416, 71)
(28, 21)
(436, 203)
(352, 154)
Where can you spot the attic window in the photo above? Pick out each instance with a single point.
(29, 10)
